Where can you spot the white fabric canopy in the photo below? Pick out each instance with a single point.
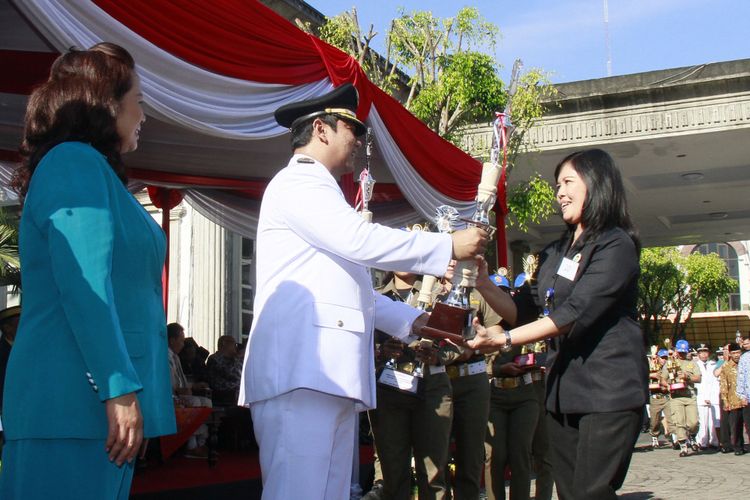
(193, 98)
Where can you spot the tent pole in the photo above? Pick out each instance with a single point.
(165, 226)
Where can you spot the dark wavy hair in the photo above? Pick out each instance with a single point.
(605, 206)
(79, 102)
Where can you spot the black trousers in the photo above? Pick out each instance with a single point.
(724, 438)
(735, 420)
(591, 452)
(746, 419)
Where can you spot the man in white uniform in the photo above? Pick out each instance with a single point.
(708, 400)
(309, 362)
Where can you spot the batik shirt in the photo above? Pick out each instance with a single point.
(743, 377)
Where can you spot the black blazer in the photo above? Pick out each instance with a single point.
(600, 364)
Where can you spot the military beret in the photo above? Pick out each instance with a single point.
(10, 312)
(340, 102)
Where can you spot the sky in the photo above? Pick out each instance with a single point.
(567, 38)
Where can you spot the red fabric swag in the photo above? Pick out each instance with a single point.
(247, 40)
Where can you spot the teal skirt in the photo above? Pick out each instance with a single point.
(63, 469)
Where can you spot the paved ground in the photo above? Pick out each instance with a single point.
(662, 475)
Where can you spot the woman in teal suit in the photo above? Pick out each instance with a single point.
(88, 377)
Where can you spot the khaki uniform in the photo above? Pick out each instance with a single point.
(471, 406)
(403, 424)
(683, 404)
(514, 414)
(658, 408)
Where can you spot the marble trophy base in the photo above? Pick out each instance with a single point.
(447, 322)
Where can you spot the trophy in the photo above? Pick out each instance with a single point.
(451, 318)
(366, 182)
(527, 356)
(673, 366)
(653, 369)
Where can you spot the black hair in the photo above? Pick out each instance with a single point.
(605, 206)
(173, 330)
(302, 133)
(79, 102)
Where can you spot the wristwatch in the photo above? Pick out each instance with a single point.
(508, 342)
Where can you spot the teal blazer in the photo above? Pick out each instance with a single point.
(92, 326)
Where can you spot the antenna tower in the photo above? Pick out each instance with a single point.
(606, 38)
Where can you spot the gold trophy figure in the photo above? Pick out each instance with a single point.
(653, 369)
(527, 356)
(673, 366)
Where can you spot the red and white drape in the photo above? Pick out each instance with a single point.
(221, 68)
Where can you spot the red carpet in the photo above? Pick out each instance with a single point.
(236, 475)
(180, 473)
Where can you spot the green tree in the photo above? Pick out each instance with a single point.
(658, 284)
(706, 280)
(530, 202)
(455, 84)
(343, 31)
(673, 284)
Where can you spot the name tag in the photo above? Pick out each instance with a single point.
(527, 378)
(568, 269)
(400, 380)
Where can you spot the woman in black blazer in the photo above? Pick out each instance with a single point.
(583, 298)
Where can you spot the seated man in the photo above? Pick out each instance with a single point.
(225, 371)
(193, 359)
(183, 391)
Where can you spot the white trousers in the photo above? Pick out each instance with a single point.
(306, 445)
(708, 418)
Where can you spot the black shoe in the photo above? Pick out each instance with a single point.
(675, 445)
(725, 450)
(739, 452)
(376, 493)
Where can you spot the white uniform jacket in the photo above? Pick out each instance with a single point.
(315, 308)
(708, 387)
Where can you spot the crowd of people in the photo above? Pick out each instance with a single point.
(553, 378)
(699, 403)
